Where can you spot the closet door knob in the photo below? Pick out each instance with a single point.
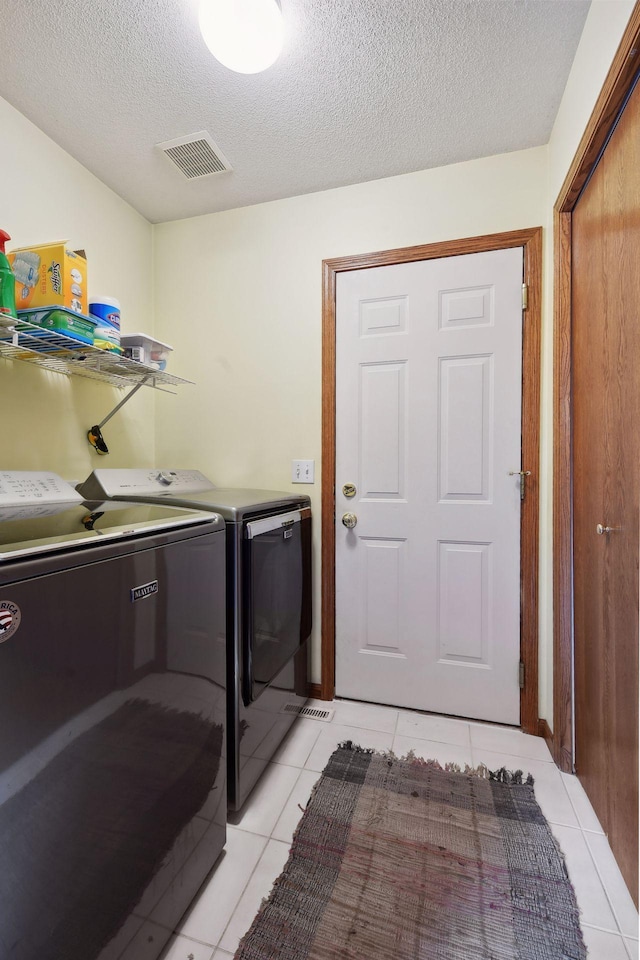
(600, 529)
(349, 520)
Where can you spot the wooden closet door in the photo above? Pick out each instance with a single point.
(606, 488)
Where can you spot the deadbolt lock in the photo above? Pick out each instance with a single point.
(349, 490)
(349, 520)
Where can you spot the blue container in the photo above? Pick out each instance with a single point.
(106, 310)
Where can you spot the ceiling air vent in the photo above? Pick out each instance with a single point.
(195, 155)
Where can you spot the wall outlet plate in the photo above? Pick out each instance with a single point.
(303, 471)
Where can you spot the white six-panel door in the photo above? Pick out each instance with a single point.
(428, 403)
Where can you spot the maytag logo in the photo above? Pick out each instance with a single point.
(143, 591)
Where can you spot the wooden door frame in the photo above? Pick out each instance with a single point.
(531, 241)
(614, 92)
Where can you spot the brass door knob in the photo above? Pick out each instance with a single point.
(349, 520)
(600, 529)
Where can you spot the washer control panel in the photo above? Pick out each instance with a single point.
(26, 487)
(138, 483)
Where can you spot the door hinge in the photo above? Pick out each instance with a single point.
(525, 296)
(521, 675)
(523, 474)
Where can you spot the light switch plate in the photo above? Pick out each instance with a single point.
(303, 471)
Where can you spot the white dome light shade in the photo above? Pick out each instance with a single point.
(244, 35)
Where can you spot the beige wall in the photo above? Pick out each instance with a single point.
(239, 297)
(46, 195)
(603, 29)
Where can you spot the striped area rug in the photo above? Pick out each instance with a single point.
(403, 860)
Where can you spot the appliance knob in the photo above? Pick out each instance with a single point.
(165, 477)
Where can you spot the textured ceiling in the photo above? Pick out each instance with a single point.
(363, 89)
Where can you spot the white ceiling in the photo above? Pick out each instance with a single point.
(363, 89)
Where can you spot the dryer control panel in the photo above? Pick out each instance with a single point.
(138, 483)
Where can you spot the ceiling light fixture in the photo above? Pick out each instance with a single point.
(244, 35)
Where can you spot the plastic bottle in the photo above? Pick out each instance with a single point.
(7, 282)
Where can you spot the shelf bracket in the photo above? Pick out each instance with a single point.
(94, 434)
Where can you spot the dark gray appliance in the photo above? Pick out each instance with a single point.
(112, 719)
(268, 604)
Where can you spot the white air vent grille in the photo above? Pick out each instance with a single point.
(312, 713)
(195, 155)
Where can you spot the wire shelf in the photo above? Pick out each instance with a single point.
(53, 351)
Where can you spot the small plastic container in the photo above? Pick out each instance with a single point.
(145, 349)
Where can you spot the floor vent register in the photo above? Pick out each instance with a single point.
(311, 713)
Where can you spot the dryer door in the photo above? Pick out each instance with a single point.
(277, 575)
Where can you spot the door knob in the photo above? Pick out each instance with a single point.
(600, 529)
(349, 520)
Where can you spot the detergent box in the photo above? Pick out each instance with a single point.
(50, 275)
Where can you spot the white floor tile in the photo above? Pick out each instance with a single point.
(181, 948)
(602, 945)
(432, 750)
(269, 867)
(267, 799)
(334, 733)
(632, 948)
(298, 743)
(429, 727)
(367, 716)
(509, 740)
(548, 787)
(590, 893)
(620, 898)
(222, 955)
(211, 912)
(295, 806)
(581, 804)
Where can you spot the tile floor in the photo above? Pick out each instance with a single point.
(259, 838)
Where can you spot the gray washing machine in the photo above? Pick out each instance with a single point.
(112, 719)
(268, 604)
